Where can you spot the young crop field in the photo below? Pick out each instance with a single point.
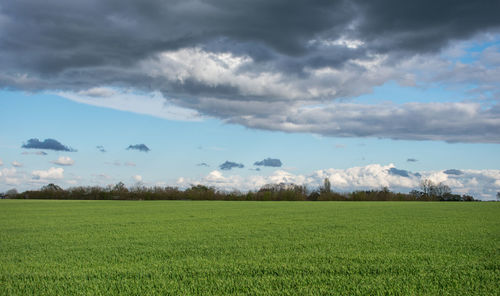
(248, 248)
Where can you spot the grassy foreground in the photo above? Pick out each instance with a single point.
(256, 248)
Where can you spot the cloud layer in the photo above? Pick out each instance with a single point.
(256, 65)
(48, 144)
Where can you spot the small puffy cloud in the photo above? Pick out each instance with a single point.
(139, 147)
(64, 160)
(339, 146)
(269, 162)
(129, 163)
(16, 164)
(1, 162)
(453, 172)
(42, 153)
(203, 164)
(411, 160)
(137, 178)
(101, 148)
(52, 173)
(228, 165)
(49, 144)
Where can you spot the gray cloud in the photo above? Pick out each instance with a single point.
(269, 64)
(269, 162)
(139, 147)
(453, 172)
(451, 122)
(411, 160)
(203, 164)
(101, 148)
(48, 144)
(398, 172)
(228, 165)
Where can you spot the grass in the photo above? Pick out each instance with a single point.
(252, 248)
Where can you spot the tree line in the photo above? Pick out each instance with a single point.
(429, 191)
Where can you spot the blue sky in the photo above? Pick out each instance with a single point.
(364, 109)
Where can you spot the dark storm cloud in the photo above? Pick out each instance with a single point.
(48, 144)
(119, 33)
(228, 165)
(269, 162)
(107, 34)
(421, 26)
(78, 45)
(139, 147)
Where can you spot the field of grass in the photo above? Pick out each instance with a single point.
(254, 248)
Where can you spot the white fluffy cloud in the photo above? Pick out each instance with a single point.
(9, 177)
(51, 173)
(64, 160)
(137, 178)
(1, 162)
(482, 184)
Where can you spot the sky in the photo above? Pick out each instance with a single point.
(239, 94)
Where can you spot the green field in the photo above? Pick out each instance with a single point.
(255, 248)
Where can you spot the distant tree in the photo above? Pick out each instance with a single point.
(426, 186)
(11, 193)
(120, 187)
(51, 187)
(434, 191)
(441, 190)
(498, 196)
(327, 186)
